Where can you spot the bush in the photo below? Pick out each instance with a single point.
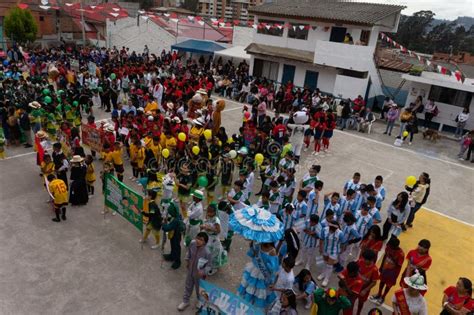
(20, 26)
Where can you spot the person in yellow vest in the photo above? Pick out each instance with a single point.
(58, 190)
(115, 157)
(151, 107)
(132, 149)
(170, 142)
(196, 130)
(140, 159)
(47, 166)
(90, 175)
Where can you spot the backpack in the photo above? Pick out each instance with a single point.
(436, 111)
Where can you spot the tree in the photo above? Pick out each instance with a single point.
(412, 30)
(20, 26)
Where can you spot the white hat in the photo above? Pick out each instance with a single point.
(198, 194)
(140, 109)
(150, 118)
(176, 120)
(34, 105)
(41, 134)
(77, 159)
(202, 91)
(197, 98)
(416, 281)
(109, 128)
(199, 121)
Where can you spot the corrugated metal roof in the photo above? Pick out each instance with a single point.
(287, 53)
(396, 65)
(353, 12)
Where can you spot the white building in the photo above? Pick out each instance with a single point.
(450, 95)
(311, 51)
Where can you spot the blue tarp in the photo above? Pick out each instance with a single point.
(198, 46)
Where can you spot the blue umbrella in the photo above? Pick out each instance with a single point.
(256, 224)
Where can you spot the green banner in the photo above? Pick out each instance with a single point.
(125, 201)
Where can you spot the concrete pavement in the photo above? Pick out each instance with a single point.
(89, 264)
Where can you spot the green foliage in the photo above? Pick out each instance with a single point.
(20, 26)
(415, 33)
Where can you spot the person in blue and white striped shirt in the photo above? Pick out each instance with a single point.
(371, 191)
(311, 234)
(288, 216)
(325, 221)
(353, 184)
(359, 198)
(364, 220)
(330, 247)
(313, 198)
(347, 202)
(301, 208)
(378, 185)
(332, 204)
(351, 236)
(373, 211)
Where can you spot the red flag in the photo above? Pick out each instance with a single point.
(236, 22)
(444, 70)
(458, 75)
(307, 27)
(23, 6)
(39, 150)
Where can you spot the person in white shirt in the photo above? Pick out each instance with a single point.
(411, 297)
(431, 110)
(461, 120)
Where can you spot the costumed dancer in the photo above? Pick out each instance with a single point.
(155, 220)
(174, 226)
(212, 226)
(195, 214)
(259, 274)
(300, 118)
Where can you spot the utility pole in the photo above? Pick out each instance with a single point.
(83, 26)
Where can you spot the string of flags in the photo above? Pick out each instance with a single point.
(441, 69)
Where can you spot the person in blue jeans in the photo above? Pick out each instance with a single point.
(392, 116)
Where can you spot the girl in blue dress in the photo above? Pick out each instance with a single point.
(259, 274)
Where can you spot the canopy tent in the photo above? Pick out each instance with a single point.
(198, 46)
(237, 52)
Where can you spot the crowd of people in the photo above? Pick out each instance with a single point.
(167, 129)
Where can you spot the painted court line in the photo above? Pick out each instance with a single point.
(405, 150)
(448, 216)
(18, 155)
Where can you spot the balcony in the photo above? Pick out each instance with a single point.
(345, 56)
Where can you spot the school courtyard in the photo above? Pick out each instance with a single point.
(91, 264)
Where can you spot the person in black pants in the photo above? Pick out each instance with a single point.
(469, 152)
(25, 125)
(174, 226)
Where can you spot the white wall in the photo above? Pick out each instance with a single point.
(125, 32)
(352, 57)
(447, 113)
(349, 87)
(242, 36)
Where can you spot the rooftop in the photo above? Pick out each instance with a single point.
(325, 10)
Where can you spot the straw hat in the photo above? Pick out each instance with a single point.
(198, 121)
(77, 159)
(41, 134)
(34, 105)
(202, 91)
(109, 128)
(176, 120)
(416, 282)
(198, 194)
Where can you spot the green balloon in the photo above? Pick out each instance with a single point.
(46, 92)
(75, 103)
(202, 181)
(60, 92)
(48, 99)
(113, 76)
(100, 89)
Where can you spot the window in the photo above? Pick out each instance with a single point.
(273, 31)
(365, 37)
(450, 96)
(41, 18)
(298, 32)
(267, 69)
(354, 74)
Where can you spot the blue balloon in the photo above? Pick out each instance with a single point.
(5, 63)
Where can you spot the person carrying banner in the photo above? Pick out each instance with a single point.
(58, 189)
(410, 301)
(174, 226)
(155, 220)
(197, 259)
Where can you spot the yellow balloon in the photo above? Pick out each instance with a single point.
(259, 158)
(405, 133)
(196, 150)
(230, 140)
(219, 143)
(165, 153)
(410, 181)
(207, 134)
(182, 136)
